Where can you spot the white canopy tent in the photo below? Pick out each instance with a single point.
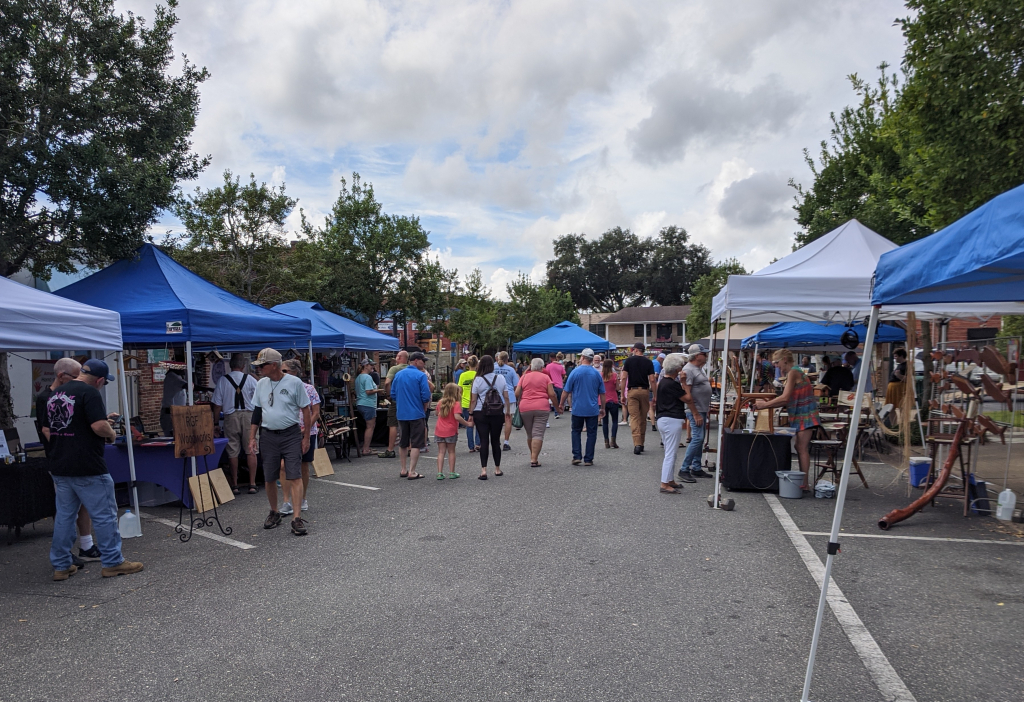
(33, 320)
(829, 280)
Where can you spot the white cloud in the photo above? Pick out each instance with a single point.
(505, 125)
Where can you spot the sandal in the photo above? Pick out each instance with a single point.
(440, 476)
(235, 490)
(670, 490)
(453, 476)
(416, 476)
(498, 472)
(534, 465)
(482, 477)
(403, 475)
(253, 489)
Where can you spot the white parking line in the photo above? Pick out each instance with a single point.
(916, 538)
(361, 487)
(199, 532)
(881, 671)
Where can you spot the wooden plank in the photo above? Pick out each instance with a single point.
(202, 498)
(322, 463)
(221, 486)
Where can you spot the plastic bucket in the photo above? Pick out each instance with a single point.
(920, 466)
(790, 482)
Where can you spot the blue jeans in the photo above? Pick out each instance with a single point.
(691, 461)
(471, 434)
(558, 399)
(577, 429)
(96, 492)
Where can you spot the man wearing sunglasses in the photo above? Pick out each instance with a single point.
(277, 402)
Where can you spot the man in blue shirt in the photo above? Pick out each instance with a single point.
(855, 363)
(585, 390)
(411, 393)
(507, 372)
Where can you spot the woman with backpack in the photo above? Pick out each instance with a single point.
(489, 401)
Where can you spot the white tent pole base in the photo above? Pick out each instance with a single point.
(724, 386)
(122, 381)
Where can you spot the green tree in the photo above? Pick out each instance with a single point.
(959, 128)
(96, 132)
(698, 322)
(361, 258)
(235, 236)
(675, 267)
(476, 316)
(532, 308)
(603, 275)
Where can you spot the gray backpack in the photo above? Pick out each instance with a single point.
(493, 404)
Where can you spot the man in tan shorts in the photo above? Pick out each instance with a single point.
(233, 396)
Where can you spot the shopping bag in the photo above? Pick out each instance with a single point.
(517, 420)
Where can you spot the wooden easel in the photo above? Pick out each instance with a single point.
(765, 418)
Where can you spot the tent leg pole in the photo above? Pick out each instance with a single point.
(724, 385)
(753, 368)
(311, 362)
(122, 381)
(191, 395)
(837, 519)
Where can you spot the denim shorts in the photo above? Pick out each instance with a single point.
(446, 439)
(369, 413)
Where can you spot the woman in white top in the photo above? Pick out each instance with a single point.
(489, 420)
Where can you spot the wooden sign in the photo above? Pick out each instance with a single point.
(193, 430)
(322, 462)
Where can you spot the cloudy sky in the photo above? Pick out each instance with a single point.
(505, 124)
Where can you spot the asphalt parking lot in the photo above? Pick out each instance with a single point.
(550, 583)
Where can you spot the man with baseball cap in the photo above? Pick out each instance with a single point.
(277, 403)
(79, 426)
(698, 385)
(410, 392)
(584, 390)
(638, 372)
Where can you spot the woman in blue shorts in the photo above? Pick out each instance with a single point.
(366, 401)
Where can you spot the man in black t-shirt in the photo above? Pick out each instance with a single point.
(638, 375)
(66, 370)
(78, 426)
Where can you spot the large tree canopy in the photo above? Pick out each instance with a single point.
(698, 323)
(96, 132)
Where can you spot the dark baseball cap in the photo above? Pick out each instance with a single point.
(417, 356)
(97, 369)
(639, 346)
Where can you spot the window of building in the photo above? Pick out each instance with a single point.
(664, 332)
(679, 329)
(638, 331)
(598, 329)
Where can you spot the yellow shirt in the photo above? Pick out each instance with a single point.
(466, 383)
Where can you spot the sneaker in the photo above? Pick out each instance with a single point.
(701, 473)
(273, 520)
(386, 454)
(299, 527)
(453, 476)
(588, 463)
(126, 568)
(506, 447)
(305, 505)
(278, 483)
(576, 461)
(77, 562)
(686, 477)
(65, 574)
(547, 425)
(286, 508)
(93, 554)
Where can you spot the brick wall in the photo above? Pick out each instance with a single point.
(149, 398)
(956, 329)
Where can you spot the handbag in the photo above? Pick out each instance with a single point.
(517, 419)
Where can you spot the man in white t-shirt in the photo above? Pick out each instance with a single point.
(233, 397)
(277, 402)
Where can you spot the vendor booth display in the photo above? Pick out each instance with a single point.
(566, 337)
(33, 320)
(162, 304)
(977, 264)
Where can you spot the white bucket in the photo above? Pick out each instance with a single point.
(790, 482)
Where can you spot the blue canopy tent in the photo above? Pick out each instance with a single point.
(162, 302)
(566, 337)
(332, 331)
(975, 263)
(813, 334)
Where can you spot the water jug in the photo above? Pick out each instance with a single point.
(1007, 502)
(129, 525)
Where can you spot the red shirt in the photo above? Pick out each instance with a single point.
(611, 388)
(535, 392)
(446, 426)
(555, 371)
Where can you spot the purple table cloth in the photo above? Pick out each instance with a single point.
(157, 464)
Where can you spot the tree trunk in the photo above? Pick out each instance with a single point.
(6, 404)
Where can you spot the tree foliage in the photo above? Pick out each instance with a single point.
(698, 322)
(917, 154)
(96, 133)
(362, 258)
(235, 236)
(675, 267)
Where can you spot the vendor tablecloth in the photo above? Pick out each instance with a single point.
(157, 464)
(27, 493)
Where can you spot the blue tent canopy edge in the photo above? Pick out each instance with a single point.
(566, 337)
(809, 334)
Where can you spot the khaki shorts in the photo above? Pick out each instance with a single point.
(236, 431)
